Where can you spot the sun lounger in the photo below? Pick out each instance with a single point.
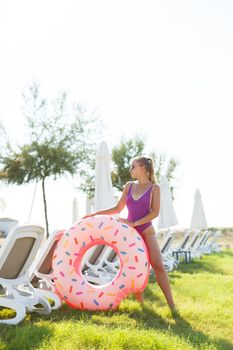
(196, 251)
(168, 260)
(16, 255)
(101, 265)
(212, 246)
(40, 273)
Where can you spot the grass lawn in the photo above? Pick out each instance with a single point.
(203, 291)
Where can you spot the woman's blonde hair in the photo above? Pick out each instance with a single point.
(149, 166)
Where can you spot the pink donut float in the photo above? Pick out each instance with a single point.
(133, 256)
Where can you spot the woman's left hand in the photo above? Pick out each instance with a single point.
(127, 222)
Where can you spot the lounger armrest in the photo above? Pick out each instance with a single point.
(5, 283)
(47, 278)
(11, 284)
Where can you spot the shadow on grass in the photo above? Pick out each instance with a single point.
(150, 292)
(173, 275)
(23, 336)
(181, 328)
(30, 335)
(145, 318)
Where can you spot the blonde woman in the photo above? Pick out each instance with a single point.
(142, 198)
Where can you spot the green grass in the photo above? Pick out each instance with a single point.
(203, 291)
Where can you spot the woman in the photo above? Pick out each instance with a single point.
(142, 198)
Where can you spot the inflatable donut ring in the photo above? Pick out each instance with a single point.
(133, 256)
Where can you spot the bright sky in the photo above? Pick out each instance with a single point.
(159, 68)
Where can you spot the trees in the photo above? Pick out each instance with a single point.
(122, 154)
(59, 142)
(126, 150)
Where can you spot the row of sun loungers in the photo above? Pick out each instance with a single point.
(103, 264)
(193, 245)
(26, 282)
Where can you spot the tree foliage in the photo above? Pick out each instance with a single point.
(59, 142)
(123, 153)
(87, 174)
(121, 156)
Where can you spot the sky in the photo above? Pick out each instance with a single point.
(161, 69)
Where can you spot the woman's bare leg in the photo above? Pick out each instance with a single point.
(157, 265)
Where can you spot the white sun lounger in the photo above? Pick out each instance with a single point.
(168, 260)
(100, 265)
(16, 255)
(40, 272)
(211, 246)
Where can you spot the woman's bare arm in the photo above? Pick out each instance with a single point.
(117, 208)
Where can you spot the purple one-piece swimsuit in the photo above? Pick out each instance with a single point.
(139, 208)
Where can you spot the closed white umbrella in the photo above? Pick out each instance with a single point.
(198, 220)
(75, 213)
(167, 215)
(104, 197)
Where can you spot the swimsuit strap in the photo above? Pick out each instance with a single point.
(148, 190)
(130, 188)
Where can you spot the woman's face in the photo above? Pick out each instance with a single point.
(135, 169)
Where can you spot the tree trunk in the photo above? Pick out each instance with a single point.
(45, 208)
